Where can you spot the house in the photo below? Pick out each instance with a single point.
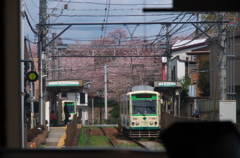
(180, 61)
(186, 57)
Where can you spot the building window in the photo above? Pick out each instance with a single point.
(64, 94)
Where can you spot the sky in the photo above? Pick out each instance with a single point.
(91, 11)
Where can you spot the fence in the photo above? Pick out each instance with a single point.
(71, 131)
(167, 120)
(207, 109)
(207, 105)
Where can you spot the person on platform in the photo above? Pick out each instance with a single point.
(53, 119)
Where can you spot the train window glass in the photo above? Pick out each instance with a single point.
(70, 106)
(144, 107)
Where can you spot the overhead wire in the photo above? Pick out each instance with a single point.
(34, 4)
(29, 13)
(30, 23)
(123, 4)
(109, 3)
(196, 36)
(61, 11)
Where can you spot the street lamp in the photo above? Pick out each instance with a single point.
(99, 93)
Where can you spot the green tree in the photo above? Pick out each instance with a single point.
(185, 82)
(115, 112)
(204, 78)
(210, 28)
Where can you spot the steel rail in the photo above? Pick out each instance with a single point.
(135, 141)
(108, 138)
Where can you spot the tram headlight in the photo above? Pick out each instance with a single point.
(155, 122)
(151, 123)
(133, 123)
(137, 123)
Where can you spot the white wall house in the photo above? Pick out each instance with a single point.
(180, 59)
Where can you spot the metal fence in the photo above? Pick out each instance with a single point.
(207, 105)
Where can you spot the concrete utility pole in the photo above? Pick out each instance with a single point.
(41, 56)
(222, 59)
(105, 91)
(59, 64)
(168, 52)
(54, 52)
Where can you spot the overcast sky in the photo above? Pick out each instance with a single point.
(92, 11)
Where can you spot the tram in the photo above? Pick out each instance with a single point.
(140, 112)
(71, 106)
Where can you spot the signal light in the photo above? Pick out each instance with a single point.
(32, 76)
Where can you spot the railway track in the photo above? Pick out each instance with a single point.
(138, 143)
(118, 141)
(108, 137)
(134, 140)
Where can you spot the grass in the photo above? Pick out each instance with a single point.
(121, 137)
(98, 141)
(82, 138)
(143, 139)
(41, 146)
(127, 145)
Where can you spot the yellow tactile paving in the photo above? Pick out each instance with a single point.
(61, 140)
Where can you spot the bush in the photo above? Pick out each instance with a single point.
(30, 136)
(32, 133)
(115, 112)
(40, 126)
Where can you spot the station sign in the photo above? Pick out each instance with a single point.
(167, 84)
(64, 83)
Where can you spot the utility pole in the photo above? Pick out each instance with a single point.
(54, 52)
(41, 56)
(31, 90)
(168, 52)
(222, 60)
(59, 64)
(169, 66)
(105, 91)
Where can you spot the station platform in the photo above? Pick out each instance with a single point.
(56, 137)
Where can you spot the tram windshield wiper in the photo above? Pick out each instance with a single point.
(141, 112)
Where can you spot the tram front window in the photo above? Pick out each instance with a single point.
(144, 107)
(70, 108)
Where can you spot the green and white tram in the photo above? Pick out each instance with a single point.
(71, 105)
(140, 112)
